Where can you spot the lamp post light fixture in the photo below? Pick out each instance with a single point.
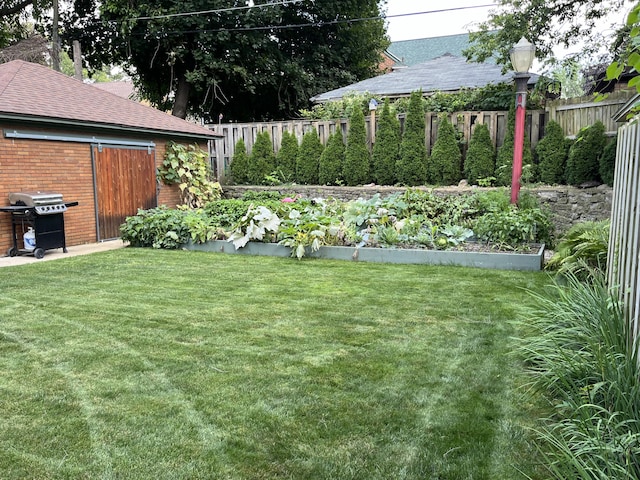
(522, 55)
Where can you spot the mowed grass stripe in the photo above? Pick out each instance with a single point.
(209, 366)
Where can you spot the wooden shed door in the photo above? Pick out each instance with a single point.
(125, 180)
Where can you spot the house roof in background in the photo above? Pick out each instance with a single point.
(122, 88)
(412, 52)
(38, 94)
(443, 74)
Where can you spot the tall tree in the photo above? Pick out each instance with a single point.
(547, 25)
(262, 61)
(357, 159)
(386, 150)
(411, 167)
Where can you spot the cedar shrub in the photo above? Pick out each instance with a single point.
(552, 154)
(309, 158)
(386, 150)
(444, 166)
(287, 155)
(480, 155)
(262, 160)
(357, 160)
(608, 162)
(239, 167)
(411, 167)
(331, 160)
(583, 162)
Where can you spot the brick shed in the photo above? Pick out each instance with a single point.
(61, 135)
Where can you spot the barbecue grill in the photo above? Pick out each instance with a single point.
(44, 213)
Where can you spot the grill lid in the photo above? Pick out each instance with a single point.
(34, 199)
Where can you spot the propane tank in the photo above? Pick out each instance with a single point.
(29, 239)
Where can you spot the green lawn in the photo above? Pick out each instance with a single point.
(148, 364)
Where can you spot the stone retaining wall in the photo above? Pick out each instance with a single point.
(568, 205)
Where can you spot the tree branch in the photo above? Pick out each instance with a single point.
(6, 11)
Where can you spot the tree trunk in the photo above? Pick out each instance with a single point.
(182, 98)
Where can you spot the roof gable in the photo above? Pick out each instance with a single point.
(35, 92)
(412, 52)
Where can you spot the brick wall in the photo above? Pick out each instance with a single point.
(64, 167)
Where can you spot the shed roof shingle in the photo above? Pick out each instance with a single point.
(42, 95)
(444, 74)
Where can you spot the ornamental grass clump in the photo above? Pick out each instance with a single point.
(583, 363)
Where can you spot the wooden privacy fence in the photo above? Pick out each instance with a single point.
(624, 240)
(223, 148)
(575, 113)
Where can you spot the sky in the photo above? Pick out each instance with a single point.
(451, 22)
(434, 24)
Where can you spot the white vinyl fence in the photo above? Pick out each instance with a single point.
(624, 239)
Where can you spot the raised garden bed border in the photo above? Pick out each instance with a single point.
(491, 260)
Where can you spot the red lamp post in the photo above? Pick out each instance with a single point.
(522, 55)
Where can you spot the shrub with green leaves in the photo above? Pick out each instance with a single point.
(239, 166)
(480, 160)
(287, 155)
(608, 162)
(357, 160)
(262, 161)
(308, 163)
(552, 154)
(386, 149)
(583, 164)
(159, 227)
(188, 167)
(444, 164)
(332, 159)
(411, 167)
(582, 250)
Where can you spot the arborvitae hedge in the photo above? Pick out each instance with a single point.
(239, 167)
(386, 150)
(262, 160)
(287, 156)
(552, 154)
(356, 167)
(504, 160)
(331, 160)
(411, 167)
(583, 162)
(480, 155)
(309, 158)
(608, 162)
(446, 158)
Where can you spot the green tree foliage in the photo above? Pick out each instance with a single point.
(357, 160)
(504, 160)
(239, 167)
(411, 167)
(480, 160)
(247, 62)
(552, 154)
(308, 164)
(546, 25)
(386, 150)
(262, 160)
(331, 160)
(608, 163)
(583, 163)
(287, 155)
(445, 162)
